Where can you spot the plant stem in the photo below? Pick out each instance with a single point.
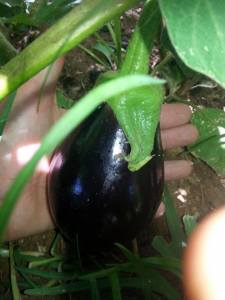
(68, 32)
(6, 49)
(15, 289)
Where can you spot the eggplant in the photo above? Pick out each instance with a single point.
(92, 194)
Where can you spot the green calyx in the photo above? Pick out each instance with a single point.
(138, 111)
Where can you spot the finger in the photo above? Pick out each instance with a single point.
(179, 136)
(174, 115)
(177, 169)
(204, 259)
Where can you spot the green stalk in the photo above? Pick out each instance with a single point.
(14, 286)
(6, 49)
(68, 32)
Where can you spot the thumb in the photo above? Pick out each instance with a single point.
(204, 259)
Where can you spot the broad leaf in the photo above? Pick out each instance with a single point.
(210, 145)
(196, 29)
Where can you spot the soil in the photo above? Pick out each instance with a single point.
(198, 194)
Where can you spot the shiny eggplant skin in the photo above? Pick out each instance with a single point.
(92, 194)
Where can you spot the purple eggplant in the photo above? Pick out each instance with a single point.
(92, 194)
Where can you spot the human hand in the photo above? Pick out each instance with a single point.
(23, 134)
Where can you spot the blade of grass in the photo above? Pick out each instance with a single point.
(161, 286)
(174, 223)
(28, 281)
(99, 274)
(155, 281)
(6, 49)
(93, 56)
(62, 128)
(117, 38)
(170, 264)
(115, 286)
(190, 222)
(106, 51)
(95, 295)
(162, 246)
(55, 242)
(5, 112)
(59, 290)
(128, 254)
(76, 287)
(48, 275)
(42, 262)
(14, 285)
(143, 265)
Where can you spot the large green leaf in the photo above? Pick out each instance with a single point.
(196, 29)
(210, 145)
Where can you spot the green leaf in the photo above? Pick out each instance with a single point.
(162, 286)
(196, 30)
(190, 222)
(115, 286)
(93, 56)
(170, 264)
(128, 254)
(63, 101)
(5, 112)
(210, 145)
(14, 285)
(48, 275)
(174, 224)
(162, 246)
(105, 50)
(6, 49)
(95, 295)
(62, 128)
(138, 111)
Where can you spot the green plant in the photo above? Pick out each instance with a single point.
(186, 53)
